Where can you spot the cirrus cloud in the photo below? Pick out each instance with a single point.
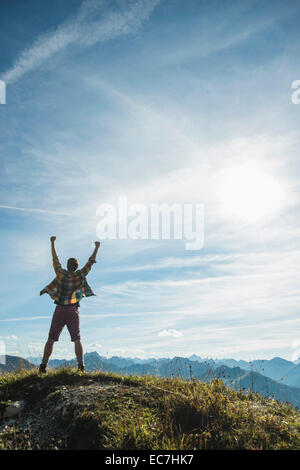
(96, 21)
(170, 332)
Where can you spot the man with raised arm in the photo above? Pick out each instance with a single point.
(67, 289)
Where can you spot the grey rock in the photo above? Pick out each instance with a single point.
(13, 409)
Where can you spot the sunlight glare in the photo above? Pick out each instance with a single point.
(247, 192)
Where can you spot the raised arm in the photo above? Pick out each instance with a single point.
(94, 254)
(92, 259)
(56, 264)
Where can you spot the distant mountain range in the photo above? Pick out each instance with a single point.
(264, 377)
(281, 370)
(13, 363)
(277, 378)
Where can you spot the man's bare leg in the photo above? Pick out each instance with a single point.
(79, 352)
(47, 353)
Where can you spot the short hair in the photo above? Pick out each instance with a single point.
(72, 264)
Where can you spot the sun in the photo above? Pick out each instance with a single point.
(248, 193)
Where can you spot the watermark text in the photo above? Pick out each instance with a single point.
(2, 92)
(2, 352)
(296, 94)
(155, 222)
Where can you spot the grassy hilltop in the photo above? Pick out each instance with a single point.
(66, 409)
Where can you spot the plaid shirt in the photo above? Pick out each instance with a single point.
(69, 287)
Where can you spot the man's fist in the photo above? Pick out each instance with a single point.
(97, 244)
(52, 239)
(42, 292)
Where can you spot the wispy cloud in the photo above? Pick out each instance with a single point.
(96, 21)
(20, 319)
(247, 284)
(177, 262)
(170, 332)
(206, 37)
(30, 209)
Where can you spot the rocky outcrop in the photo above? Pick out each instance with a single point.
(50, 422)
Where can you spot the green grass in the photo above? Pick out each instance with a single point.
(150, 413)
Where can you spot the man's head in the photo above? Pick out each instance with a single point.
(72, 264)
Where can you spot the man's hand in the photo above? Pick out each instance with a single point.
(42, 292)
(55, 259)
(94, 254)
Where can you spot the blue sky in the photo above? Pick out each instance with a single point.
(162, 102)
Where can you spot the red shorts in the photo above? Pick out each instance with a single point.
(65, 315)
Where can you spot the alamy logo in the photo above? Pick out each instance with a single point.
(296, 95)
(154, 222)
(2, 92)
(2, 352)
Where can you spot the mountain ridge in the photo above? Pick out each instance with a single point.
(263, 376)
